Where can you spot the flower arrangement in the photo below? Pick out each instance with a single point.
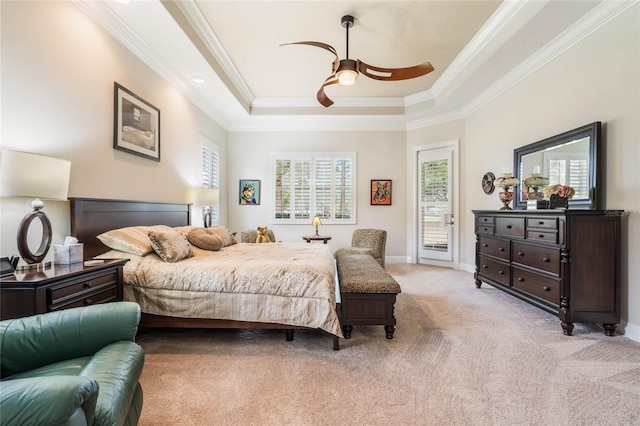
(562, 191)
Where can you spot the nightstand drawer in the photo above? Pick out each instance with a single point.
(79, 288)
(103, 295)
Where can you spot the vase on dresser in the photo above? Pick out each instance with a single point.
(558, 202)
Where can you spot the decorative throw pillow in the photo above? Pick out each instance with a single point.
(227, 237)
(205, 238)
(170, 245)
(132, 239)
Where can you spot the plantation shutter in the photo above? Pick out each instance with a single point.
(210, 173)
(307, 184)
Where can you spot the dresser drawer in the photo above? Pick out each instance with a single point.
(510, 226)
(485, 229)
(550, 237)
(537, 285)
(101, 295)
(495, 247)
(542, 222)
(539, 257)
(485, 220)
(81, 287)
(494, 269)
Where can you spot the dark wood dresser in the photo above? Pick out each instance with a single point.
(61, 287)
(566, 262)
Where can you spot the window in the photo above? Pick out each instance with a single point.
(210, 155)
(570, 169)
(309, 184)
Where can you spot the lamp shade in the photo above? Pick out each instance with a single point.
(23, 174)
(206, 196)
(316, 221)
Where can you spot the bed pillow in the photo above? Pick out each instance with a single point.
(205, 238)
(132, 239)
(227, 237)
(170, 245)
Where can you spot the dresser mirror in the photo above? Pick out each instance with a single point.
(572, 158)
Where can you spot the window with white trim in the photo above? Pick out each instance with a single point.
(210, 157)
(309, 184)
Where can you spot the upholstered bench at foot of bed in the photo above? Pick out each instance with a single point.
(368, 293)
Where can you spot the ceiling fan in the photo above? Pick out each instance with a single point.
(346, 71)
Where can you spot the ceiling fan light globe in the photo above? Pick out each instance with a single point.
(347, 77)
(347, 72)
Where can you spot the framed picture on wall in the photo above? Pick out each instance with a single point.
(136, 125)
(250, 192)
(380, 192)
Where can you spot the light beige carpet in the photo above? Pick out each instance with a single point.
(460, 356)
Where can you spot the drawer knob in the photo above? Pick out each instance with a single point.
(546, 259)
(541, 223)
(88, 284)
(88, 302)
(520, 253)
(520, 279)
(501, 272)
(485, 245)
(546, 288)
(484, 266)
(501, 249)
(541, 236)
(508, 226)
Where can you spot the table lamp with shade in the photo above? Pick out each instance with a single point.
(206, 197)
(316, 222)
(24, 174)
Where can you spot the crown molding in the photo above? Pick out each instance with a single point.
(308, 123)
(596, 18)
(106, 18)
(197, 20)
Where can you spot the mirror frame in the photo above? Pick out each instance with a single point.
(596, 165)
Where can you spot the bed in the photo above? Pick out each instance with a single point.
(293, 285)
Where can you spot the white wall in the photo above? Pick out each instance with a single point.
(58, 73)
(380, 155)
(596, 80)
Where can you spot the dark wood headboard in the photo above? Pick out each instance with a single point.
(91, 217)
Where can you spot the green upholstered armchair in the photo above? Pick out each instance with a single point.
(78, 366)
(368, 241)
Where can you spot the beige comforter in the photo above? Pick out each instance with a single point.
(284, 283)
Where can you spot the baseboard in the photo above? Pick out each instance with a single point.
(396, 259)
(467, 268)
(631, 331)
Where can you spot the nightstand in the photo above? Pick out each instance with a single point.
(316, 238)
(61, 287)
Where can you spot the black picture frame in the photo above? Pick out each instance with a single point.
(136, 124)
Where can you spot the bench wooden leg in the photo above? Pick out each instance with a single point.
(289, 333)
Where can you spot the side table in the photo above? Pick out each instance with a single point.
(61, 287)
(324, 240)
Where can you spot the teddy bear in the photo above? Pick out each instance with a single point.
(262, 235)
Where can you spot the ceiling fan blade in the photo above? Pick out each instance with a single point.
(316, 44)
(322, 97)
(392, 74)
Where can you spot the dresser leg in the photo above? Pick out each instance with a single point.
(389, 329)
(609, 329)
(567, 328)
(346, 330)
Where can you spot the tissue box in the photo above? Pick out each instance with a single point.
(64, 255)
